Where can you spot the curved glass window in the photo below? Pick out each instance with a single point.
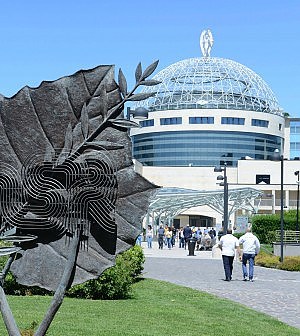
(201, 120)
(202, 148)
(260, 123)
(147, 123)
(171, 121)
(233, 121)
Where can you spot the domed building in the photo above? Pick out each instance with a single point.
(208, 112)
(206, 109)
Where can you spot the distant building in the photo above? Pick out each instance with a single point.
(292, 136)
(208, 112)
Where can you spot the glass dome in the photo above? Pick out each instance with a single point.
(210, 82)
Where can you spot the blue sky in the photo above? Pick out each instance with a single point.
(45, 40)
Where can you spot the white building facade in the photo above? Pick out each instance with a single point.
(210, 112)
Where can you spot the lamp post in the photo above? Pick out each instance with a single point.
(225, 184)
(279, 157)
(297, 173)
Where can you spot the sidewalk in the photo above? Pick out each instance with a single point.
(273, 292)
(177, 252)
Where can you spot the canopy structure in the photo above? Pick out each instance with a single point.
(170, 202)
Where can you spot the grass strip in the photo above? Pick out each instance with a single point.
(157, 308)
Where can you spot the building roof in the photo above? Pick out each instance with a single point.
(170, 202)
(210, 82)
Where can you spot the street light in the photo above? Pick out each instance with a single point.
(225, 184)
(297, 213)
(278, 157)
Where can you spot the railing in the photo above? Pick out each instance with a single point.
(269, 203)
(288, 236)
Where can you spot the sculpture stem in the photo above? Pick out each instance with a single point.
(62, 287)
(6, 312)
(113, 114)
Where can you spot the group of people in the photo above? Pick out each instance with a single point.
(230, 244)
(204, 240)
(167, 236)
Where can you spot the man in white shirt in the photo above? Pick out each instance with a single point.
(251, 248)
(228, 244)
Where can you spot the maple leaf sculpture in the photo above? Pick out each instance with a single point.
(70, 198)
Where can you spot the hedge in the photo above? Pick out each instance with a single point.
(114, 283)
(271, 261)
(264, 226)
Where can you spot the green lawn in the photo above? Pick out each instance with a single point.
(268, 248)
(156, 309)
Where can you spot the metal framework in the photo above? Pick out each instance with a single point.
(210, 82)
(170, 202)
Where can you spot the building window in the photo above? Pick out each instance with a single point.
(295, 146)
(171, 121)
(201, 120)
(147, 123)
(295, 129)
(260, 123)
(233, 121)
(280, 127)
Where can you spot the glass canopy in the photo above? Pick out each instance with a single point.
(170, 202)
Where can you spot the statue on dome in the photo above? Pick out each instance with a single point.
(206, 42)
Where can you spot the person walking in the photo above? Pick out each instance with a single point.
(251, 247)
(160, 236)
(228, 245)
(169, 238)
(174, 233)
(149, 236)
(187, 233)
(181, 238)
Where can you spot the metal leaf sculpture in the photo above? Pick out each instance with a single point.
(68, 212)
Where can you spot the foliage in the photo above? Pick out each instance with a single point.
(238, 235)
(264, 226)
(290, 264)
(116, 282)
(134, 259)
(159, 303)
(268, 260)
(268, 248)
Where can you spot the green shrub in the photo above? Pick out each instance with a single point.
(134, 259)
(270, 237)
(238, 235)
(115, 282)
(263, 225)
(290, 264)
(267, 260)
(271, 261)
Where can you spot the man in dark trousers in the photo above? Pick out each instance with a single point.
(228, 244)
(160, 238)
(187, 233)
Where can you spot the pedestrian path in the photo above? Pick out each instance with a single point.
(273, 292)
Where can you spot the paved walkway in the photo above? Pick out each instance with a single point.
(274, 292)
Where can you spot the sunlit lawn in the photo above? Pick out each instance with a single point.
(156, 309)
